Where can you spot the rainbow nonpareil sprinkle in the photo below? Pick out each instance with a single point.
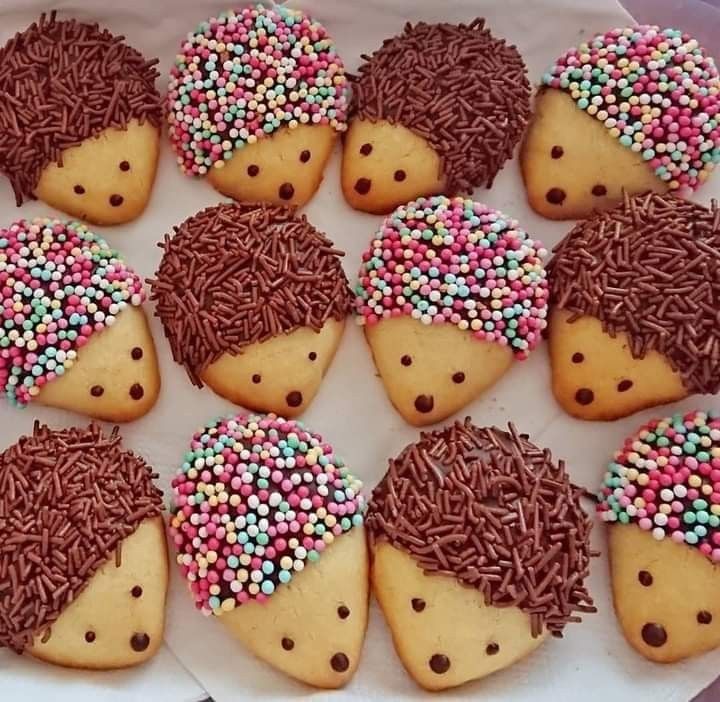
(257, 498)
(666, 480)
(456, 261)
(656, 91)
(59, 284)
(243, 75)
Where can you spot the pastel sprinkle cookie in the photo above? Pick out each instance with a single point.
(661, 499)
(256, 99)
(73, 333)
(481, 548)
(80, 117)
(268, 526)
(449, 292)
(83, 539)
(632, 109)
(439, 108)
(634, 307)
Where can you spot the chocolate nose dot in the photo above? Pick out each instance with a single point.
(424, 403)
(137, 391)
(286, 191)
(294, 399)
(116, 200)
(439, 664)
(654, 635)
(339, 663)
(555, 196)
(139, 642)
(584, 396)
(362, 186)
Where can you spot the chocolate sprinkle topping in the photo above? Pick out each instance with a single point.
(456, 86)
(237, 274)
(68, 498)
(491, 509)
(62, 82)
(650, 267)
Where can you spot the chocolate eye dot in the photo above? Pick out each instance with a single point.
(97, 390)
(253, 170)
(136, 353)
(459, 377)
(312, 355)
(400, 175)
(418, 604)
(624, 385)
(557, 151)
(343, 612)
(89, 636)
(287, 644)
(645, 578)
(492, 649)
(256, 378)
(124, 166)
(578, 357)
(305, 156)
(704, 617)
(406, 360)
(136, 591)
(366, 149)
(599, 190)
(79, 190)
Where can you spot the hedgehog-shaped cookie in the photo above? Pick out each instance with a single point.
(661, 500)
(80, 120)
(449, 292)
(634, 109)
(268, 527)
(73, 332)
(253, 300)
(479, 549)
(81, 542)
(437, 109)
(256, 101)
(635, 294)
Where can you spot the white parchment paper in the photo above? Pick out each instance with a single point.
(592, 662)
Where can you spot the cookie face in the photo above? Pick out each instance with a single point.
(659, 498)
(634, 291)
(633, 109)
(100, 167)
(449, 293)
(404, 142)
(83, 550)
(470, 569)
(482, 640)
(108, 178)
(278, 372)
(263, 296)
(261, 126)
(431, 372)
(285, 168)
(75, 335)
(89, 633)
(572, 166)
(595, 376)
(272, 542)
(386, 165)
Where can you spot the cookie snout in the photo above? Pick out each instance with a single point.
(654, 634)
(424, 403)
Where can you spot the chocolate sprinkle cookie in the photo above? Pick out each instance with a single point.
(491, 509)
(456, 86)
(650, 268)
(62, 82)
(68, 498)
(238, 274)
